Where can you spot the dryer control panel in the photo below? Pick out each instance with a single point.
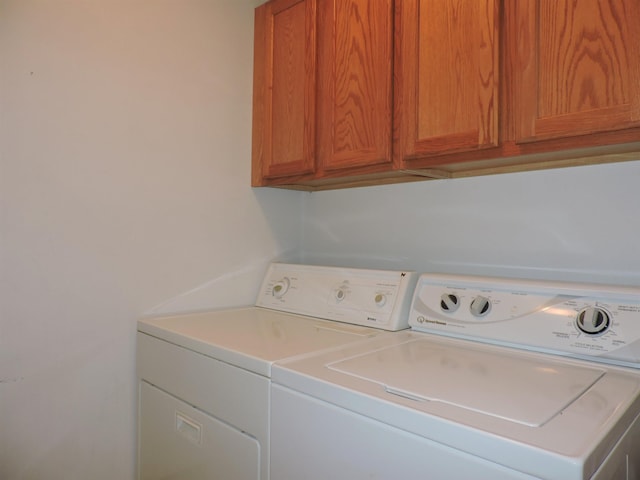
(372, 298)
(595, 322)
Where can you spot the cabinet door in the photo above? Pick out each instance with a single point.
(447, 72)
(576, 66)
(284, 89)
(355, 83)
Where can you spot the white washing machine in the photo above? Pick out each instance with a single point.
(204, 378)
(498, 379)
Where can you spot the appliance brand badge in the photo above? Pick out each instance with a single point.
(422, 319)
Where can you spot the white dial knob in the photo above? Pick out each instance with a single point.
(280, 287)
(480, 306)
(593, 320)
(449, 302)
(340, 294)
(380, 299)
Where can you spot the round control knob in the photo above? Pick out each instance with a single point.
(340, 294)
(380, 299)
(593, 320)
(280, 287)
(480, 306)
(449, 302)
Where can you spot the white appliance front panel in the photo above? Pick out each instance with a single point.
(253, 338)
(220, 363)
(593, 322)
(529, 391)
(570, 445)
(315, 440)
(371, 298)
(180, 441)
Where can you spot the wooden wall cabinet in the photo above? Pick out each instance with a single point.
(284, 86)
(322, 106)
(360, 92)
(576, 67)
(447, 76)
(549, 83)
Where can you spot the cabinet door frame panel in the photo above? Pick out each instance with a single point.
(272, 98)
(531, 122)
(484, 134)
(355, 99)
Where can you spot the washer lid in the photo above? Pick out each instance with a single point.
(525, 390)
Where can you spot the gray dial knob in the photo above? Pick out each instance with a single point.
(480, 306)
(449, 302)
(593, 320)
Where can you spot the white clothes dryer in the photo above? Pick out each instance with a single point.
(498, 379)
(204, 378)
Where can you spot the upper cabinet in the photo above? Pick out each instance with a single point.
(358, 92)
(354, 84)
(284, 90)
(322, 90)
(447, 67)
(576, 67)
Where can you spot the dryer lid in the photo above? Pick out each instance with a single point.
(524, 389)
(253, 338)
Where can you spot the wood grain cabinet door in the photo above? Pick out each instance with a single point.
(354, 100)
(576, 67)
(446, 76)
(284, 115)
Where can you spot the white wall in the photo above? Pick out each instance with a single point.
(576, 224)
(124, 189)
(125, 137)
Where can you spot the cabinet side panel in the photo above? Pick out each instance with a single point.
(260, 127)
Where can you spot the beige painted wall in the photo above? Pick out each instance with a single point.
(124, 188)
(125, 137)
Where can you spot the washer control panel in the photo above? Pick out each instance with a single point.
(374, 298)
(596, 322)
